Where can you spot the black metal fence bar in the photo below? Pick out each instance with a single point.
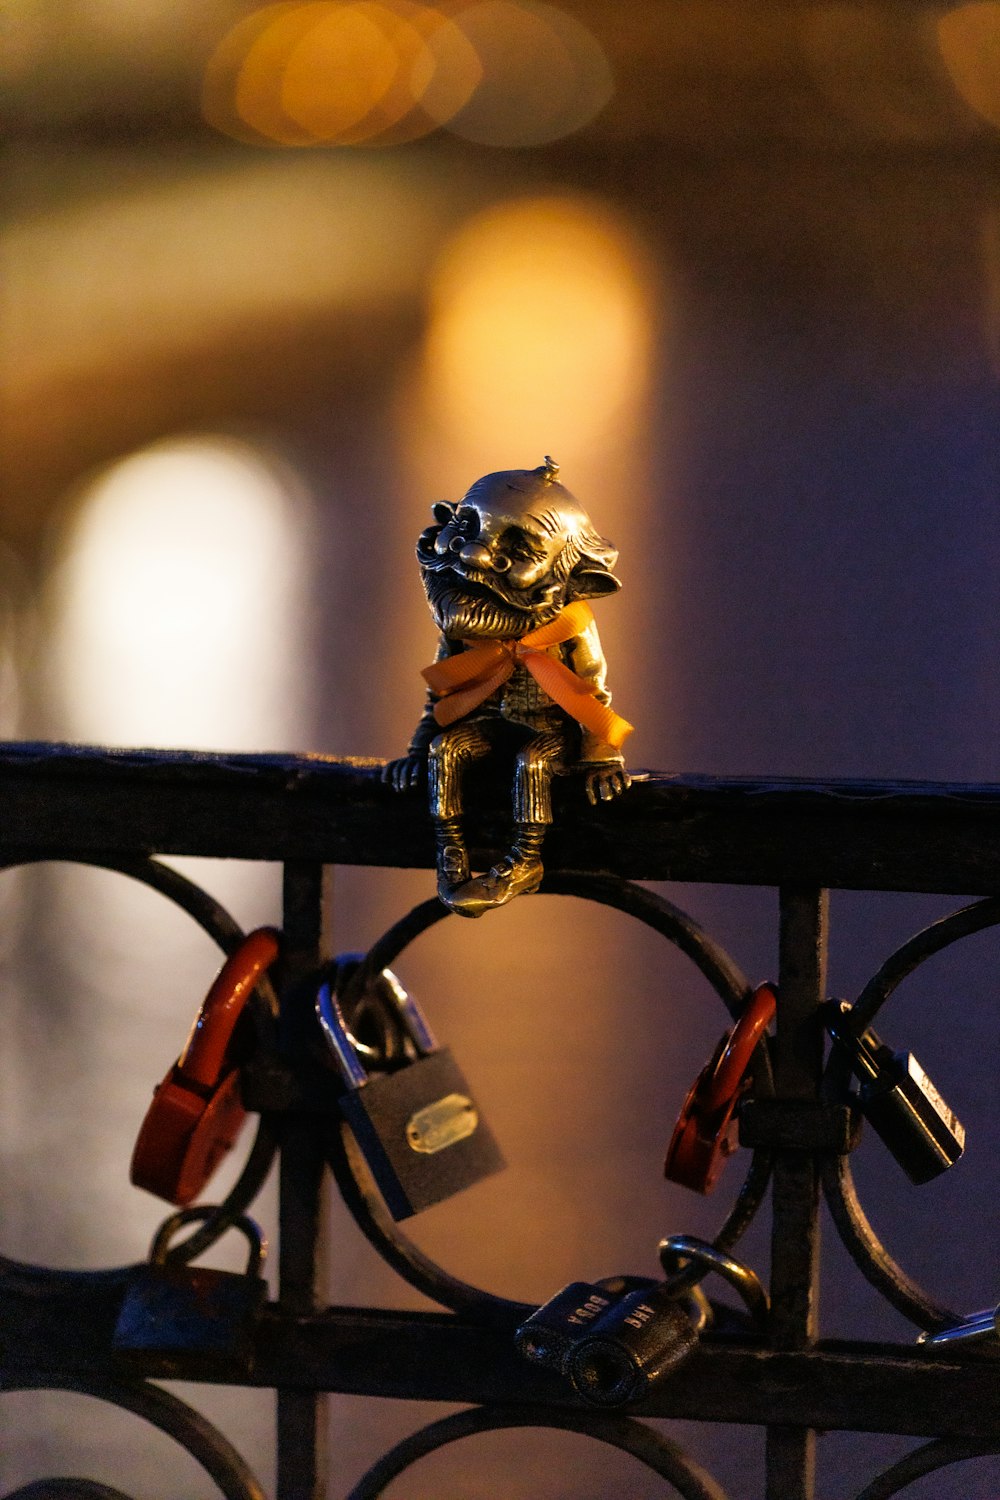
(836, 1385)
(797, 1057)
(907, 836)
(301, 1413)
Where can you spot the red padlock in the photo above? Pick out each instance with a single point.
(197, 1112)
(705, 1133)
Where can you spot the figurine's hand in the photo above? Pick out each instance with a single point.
(404, 774)
(607, 782)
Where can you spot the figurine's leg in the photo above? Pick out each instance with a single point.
(520, 872)
(447, 759)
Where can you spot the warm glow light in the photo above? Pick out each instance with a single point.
(457, 69)
(374, 72)
(138, 270)
(370, 72)
(175, 604)
(544, 74)
(294, 74)
(345, 66)
(539, 338)
(969, 39)
(222, 74)
(257, 89)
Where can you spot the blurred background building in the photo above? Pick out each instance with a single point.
(274, 281)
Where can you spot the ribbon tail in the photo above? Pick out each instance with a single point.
(574, 695)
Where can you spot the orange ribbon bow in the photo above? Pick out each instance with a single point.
(467, 679)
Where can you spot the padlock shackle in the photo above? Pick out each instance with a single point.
(734, 1060)
(678, 1250)
(159, 1250)
(863, 1047)
(202, 1059)
(406, 1008)
(338, 1038)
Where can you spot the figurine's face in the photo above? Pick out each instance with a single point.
(502, 561)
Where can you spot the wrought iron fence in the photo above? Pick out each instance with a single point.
(121, 809)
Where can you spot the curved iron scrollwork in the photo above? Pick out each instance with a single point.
(927, 1459)
(173, 1417)
(866, 1248)
(665, 1458)
(213, 918)
(348, 1165)
(65, 1489)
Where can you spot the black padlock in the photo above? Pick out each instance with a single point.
(547, 1337)
(898, 1100)
(200, 1317)
(640, 1338)
(418, 1127)
(612, 1338)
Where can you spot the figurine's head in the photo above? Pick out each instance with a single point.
(511, 554)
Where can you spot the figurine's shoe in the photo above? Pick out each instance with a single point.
(512, 876)
(452, 871)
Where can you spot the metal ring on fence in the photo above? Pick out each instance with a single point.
(213, 919)
(206, 1445)
(925, 1460)
(66, 1489)
(874, 1261)
(665, 1458)
(347, 1162)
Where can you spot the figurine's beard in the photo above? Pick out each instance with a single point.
(466, 607)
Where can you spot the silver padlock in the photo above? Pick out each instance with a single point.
(418, 1126)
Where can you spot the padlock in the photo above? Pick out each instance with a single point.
(898, 1099)
(418, 1127)
(705, 1133)
(639, 1339)
(197, 1112)
(547, 1337)
(612, 1338)
(202, 1318)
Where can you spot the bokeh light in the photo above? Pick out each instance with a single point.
(222, 76)
(539, 332)
(175, 602)
(376, 72)
(969, 39)
(258, 86)
(544, 75)
(337, 80)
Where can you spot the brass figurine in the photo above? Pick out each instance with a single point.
(507, 573)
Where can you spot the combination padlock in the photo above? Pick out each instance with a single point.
(201, 1317)
(197, 1113)
(898, 1099)
(705, 1133)
(418, 1127)
(612, 1338)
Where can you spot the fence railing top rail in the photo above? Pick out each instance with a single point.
(858, 834)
